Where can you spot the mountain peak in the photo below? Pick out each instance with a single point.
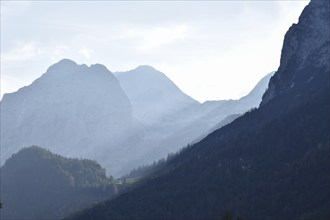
(255, 95)
(66, 61)
(145, 68)
(99, 67)
(305, 45)
(69, 68)
(68, 107)
(148, 88)
(62, 64)
(69, 64)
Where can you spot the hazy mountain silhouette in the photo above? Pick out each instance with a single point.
(175, 119)
(152, 94)
(80, 111)
(74, 110)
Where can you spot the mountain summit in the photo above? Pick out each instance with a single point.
(74, 110)
(305, 53)
(148, 88)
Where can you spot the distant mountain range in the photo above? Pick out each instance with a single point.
(122, 121)
(270, 163)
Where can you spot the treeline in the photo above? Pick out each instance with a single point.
(272, 163)
(147, 170)
(37, 184)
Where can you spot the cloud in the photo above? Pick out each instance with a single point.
(22, 52)
(155, 37)
(85, 52)
(210, 43)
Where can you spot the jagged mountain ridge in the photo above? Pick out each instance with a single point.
(305, 44)
(271, 163)
(80, 111)
(74, 110)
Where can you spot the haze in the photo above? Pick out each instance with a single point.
(196, 44)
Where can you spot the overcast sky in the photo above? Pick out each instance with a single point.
(212, 50)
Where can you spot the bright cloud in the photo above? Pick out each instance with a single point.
(85, 52)
(211, 49)
(22, 52)
(156, 37)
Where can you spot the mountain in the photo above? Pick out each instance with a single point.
(305, 52)
(73, 110)
(148, 88)
(254, 97)
(83, 111)
(37, 184)
(270, 163)
(194, 122)
(219, 113)
(174, 119)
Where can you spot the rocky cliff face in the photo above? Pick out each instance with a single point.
(306, 45)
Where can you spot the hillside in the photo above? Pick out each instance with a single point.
(271, 163)
(37, 184)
